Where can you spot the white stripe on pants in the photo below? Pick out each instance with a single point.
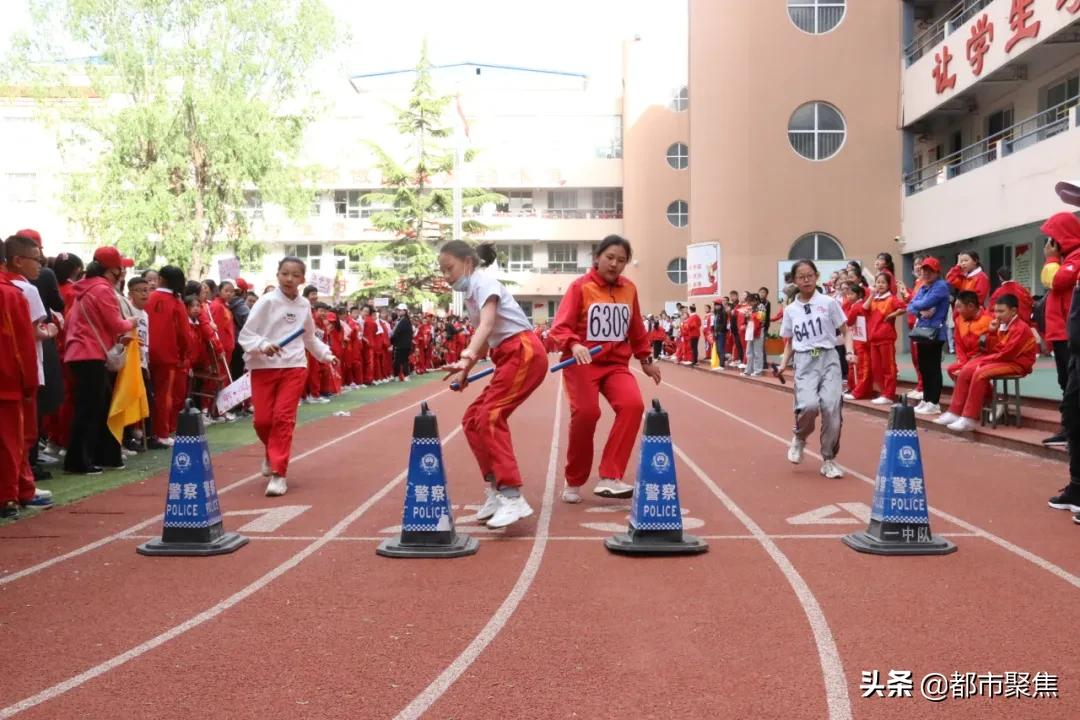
(818, 391)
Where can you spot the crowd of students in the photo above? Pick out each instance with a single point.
(69, 325)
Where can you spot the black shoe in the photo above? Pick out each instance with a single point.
(121, 466)
(92, 470)
(9, 511)
(153, 444)
(41, 474)
(1056, 440)
(1067, 499)
(1076, 518)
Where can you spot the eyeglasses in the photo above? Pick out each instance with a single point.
(807, 278)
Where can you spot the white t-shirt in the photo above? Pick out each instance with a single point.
(813, 324)
(509, 318)
(142, 329)
(37, 314)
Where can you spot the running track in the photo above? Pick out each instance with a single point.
(777, 620)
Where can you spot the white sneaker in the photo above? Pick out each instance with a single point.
(491, 504)
(322, 400)
(46, 459)
(849, 396)
(928, 408)
(510, 511)
(881, 400)
(266, 468)
(230, 417)
(276, 487)
(914, 395)
(947, 419)
(831, 470)
(124, 452)
(795, 451)
(310, 400)
(571, 494)
(608, 488)
(963, 425)
(166, 441)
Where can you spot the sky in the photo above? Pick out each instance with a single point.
(583, 36)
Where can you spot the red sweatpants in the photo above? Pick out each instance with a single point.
(276, 393)
(861, 385)
(170, 391)
(883, 367)
(973, 384)
(314, 376)
(16, 477)
(520, 367)
(366, 368)
(584, 385)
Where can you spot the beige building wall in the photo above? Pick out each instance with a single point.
(750, 68)
(654, 71)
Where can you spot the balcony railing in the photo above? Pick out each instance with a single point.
(1013, 139)
(944, 26)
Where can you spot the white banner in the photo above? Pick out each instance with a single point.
(703, 269)
(323, 283)
(228, 268)
(382, 302)
(234, 394)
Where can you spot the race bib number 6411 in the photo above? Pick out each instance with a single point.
(608, 322)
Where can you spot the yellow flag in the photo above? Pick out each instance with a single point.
(129, 404)
(714, 361)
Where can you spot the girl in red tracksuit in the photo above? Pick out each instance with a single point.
(968, 274)
(882, 308)
(601, 309)
(860, 382)
(520, 367)
(279, 374)
(169, 350)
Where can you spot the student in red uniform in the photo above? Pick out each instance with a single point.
(601, 309)
(1010, 351)
(1011, 287)
(367, 350)
(279, 374)
(971, 331)
(1063, 229)
(18, 389)
(882, 308)
(198, 355)
(692, 325)
(968, 274)
(168, 350)
(223, 320)
(520, 367)
(861, 382)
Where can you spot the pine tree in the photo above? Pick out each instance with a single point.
(420, 213)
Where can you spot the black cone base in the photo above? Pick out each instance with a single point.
(458, 546)
(867, 543)
(227, 543)
(655, 543)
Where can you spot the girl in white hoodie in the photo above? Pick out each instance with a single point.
(279, 372)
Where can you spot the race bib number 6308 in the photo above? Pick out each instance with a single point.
(608, 322)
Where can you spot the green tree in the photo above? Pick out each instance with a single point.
(192, 104)
(420, 214)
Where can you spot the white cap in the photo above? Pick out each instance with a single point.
(402, 306)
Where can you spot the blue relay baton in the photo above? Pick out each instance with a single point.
(554, 368)
(290, 337)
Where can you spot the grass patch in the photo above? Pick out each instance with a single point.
(223, 437)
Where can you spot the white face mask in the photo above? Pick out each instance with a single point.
(462, 284)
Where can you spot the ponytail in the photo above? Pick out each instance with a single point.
(482, 255)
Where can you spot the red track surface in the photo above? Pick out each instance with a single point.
(755, 628)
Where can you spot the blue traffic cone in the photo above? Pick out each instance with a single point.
(900, 517)
(192, 523)
(656, 515)
(427, 525)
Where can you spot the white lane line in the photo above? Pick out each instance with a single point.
(1037, 560)
(449, 676)
(51, 693)
(832, 669)
(157, 518)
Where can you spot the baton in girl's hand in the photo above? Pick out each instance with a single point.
(573, 361)
(777, 374)
(290, 337)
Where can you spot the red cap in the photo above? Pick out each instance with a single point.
(242, 284)
(111, 258)
(32, 234)
(932, 263)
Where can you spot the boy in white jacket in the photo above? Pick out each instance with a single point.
(279, 374)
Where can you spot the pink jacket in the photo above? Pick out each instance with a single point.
(95, 302)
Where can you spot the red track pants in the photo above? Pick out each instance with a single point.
(520, 367)
(16, 476)
(883, 367)
(973, 384)
(584, 385)
(170, 391)
(861, 385)
(276, 393)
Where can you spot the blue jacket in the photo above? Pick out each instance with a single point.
(934, 296)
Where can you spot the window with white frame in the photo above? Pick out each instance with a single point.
(515, 257)
(680, 99)
(350, 204)
(816, 246)
(562, 199)
(676, 271)
(816, 130)
(678, 156)
(562, 257)
(678, 213)
(253, 207)
(608, 200)
(518, 202)
(310, 254)
(316, 205)
(816, 17)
